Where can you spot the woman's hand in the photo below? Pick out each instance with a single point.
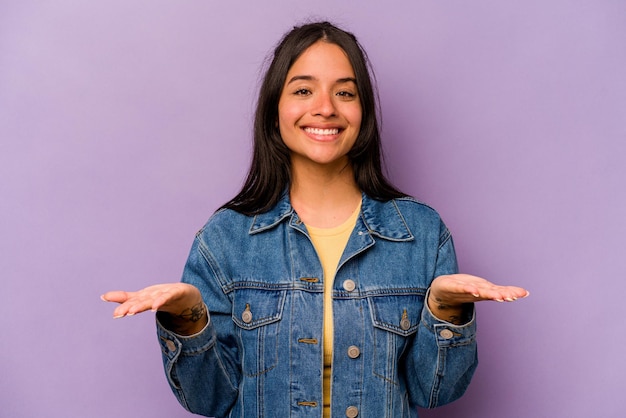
(181, 303)
(457, 289)
(450, 295)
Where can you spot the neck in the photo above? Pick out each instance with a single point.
(324, 197)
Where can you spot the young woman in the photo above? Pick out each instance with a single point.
(320, 289)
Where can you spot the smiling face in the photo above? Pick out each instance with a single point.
(319, 111)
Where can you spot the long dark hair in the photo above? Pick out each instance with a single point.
(270, 170)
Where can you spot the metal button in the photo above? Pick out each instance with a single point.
(349, 285)
(353, 351)
(171, 345)
(405, 322)
(446, 334)
(246, 316)
(352, 411)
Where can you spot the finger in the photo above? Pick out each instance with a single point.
(131, 308)
(139, 307)
(148, 299)
(516, 293)
(504, 293)
(131, 303)
(118, 296)
(512, 293)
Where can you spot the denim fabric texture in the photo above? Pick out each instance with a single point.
(261, 355)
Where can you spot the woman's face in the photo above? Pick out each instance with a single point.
(319, 111)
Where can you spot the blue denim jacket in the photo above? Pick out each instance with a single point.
(260, 355)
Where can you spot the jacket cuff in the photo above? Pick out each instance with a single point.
(172, 344)
(447, 333)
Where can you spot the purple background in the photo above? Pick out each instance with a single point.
(124, 124)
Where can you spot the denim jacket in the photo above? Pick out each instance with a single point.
(261, 354)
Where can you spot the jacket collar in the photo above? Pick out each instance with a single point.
(380, 218)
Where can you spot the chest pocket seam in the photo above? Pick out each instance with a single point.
(257, 314)
(395, 318)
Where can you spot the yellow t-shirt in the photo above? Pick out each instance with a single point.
(330, 244)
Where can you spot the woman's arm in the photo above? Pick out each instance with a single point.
(180, 306)
(199, 350)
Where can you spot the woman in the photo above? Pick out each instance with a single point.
(320, 288)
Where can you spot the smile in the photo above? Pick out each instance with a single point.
(318, 131)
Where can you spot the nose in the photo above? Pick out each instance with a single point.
(324, 105)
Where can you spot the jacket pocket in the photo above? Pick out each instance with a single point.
(395, 319)
(257, 314)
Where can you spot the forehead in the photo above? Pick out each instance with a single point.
(322, 59)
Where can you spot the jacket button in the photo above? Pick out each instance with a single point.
(446, 334)
(352, 411)
(353, 351)
(405, 324)
(349, 285)
(246, 316)
(171, 345)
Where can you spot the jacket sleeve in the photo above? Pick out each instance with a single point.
(443, 356)
(203, 370)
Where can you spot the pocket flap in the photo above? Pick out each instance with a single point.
(399, 314)
(253, 308)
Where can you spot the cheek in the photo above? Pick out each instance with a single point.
(357, 120)
(355, 116)
(287, 113)
(352, 112)
(282, 119)
(285, 121)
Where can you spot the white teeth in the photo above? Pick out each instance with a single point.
(317, 131)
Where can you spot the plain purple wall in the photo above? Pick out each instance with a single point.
(124, 124)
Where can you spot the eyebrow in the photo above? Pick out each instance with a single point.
(311, 78)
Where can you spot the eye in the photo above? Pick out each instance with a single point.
(346, 94)
(302, 92)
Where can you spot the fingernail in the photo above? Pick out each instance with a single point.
(118, 316)
(102, 298)
(511, 299)
(476, 295)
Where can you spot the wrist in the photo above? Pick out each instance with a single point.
(188, 322)
(457, 314)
